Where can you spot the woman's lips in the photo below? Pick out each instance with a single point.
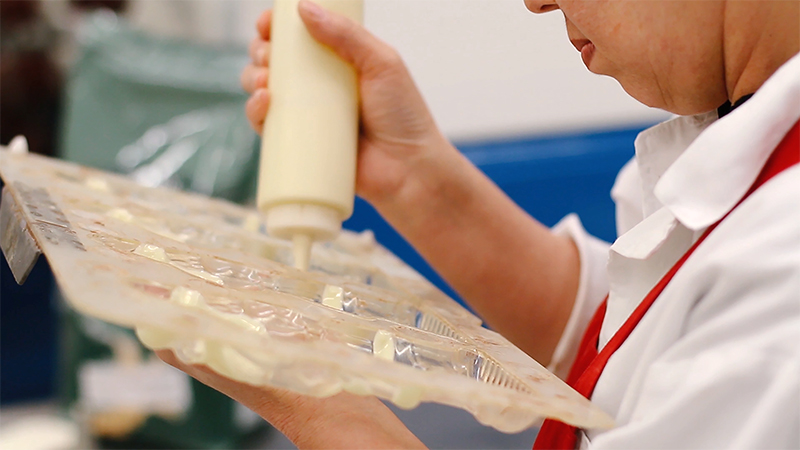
(587, 53)
(586, 49)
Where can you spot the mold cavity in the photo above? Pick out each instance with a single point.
(488, 371)
(332, 296)
(152, 289)
(67, 176)
(193, 266)
(432, 324)
(121, 245)
(151, 251)
(187, 297)
(383, 345)
(120, 214)
(97, 183)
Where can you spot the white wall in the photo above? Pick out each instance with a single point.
(487, 68)
(490, 68)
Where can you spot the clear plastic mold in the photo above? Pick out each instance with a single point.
(200, 277)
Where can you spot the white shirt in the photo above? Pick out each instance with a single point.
(715, 363)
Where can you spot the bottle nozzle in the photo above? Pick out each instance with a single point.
(303, 224)
(302, 250)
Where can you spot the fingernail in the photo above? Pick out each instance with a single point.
(312, 10)
(261, 95)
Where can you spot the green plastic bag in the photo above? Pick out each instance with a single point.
(168, 112)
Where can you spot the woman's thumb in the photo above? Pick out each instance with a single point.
(347, 38)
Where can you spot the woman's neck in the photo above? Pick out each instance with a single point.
(759, 37)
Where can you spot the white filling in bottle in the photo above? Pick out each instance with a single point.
(310, 137)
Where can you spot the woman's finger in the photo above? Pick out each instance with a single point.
(263, 24)
(351, 41)
(239, 391)
(259, 52)
(168, 357)
(194, 371)
(254, 77)
(256, 109)
(307, 421)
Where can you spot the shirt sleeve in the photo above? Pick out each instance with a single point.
(592, 289)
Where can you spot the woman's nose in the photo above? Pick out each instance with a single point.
(541, 6)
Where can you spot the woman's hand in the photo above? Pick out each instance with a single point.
(519, 277)
(397, 130)
(344, 421)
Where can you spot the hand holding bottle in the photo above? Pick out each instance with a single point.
(397, 129)
(488, 249)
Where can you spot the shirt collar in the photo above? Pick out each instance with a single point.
(712, 175)
(658, 147)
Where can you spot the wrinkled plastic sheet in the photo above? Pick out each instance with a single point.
(200, 276)
(167, 112)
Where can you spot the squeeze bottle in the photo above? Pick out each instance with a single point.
(310, 137)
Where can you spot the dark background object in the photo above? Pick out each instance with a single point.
(31, 87)
(30, 82)
(27, 335)
(91, 5)
(30, 91)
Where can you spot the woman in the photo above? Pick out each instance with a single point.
(715, 361)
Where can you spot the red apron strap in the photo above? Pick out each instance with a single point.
(587, 351)
(589, 364)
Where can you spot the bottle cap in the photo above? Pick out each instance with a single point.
(320, 223)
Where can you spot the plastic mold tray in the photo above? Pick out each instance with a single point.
(199, 276)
